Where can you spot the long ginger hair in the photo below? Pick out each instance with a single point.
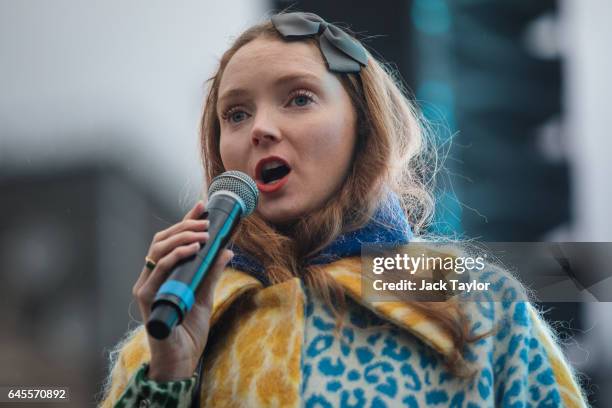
(390, 155)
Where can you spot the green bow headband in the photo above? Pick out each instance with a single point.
(341, 52)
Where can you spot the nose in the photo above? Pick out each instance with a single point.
(264, 130)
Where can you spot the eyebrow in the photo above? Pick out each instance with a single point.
(285, 79)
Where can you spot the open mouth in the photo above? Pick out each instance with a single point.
(271, 169)
(272, 174)
(274, 171)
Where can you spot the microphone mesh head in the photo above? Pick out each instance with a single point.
(240, 184)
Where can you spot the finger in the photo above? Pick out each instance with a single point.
(142, 278)
(163, 248)
(195, 212)
(194, 225)
(149, 288)
(160, 248)
(144, 274)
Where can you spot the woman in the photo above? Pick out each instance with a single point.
(336, 151)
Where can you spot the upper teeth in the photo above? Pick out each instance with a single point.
(272, 165)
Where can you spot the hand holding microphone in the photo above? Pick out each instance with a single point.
(175, 298)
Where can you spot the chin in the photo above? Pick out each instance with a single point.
(278, 216)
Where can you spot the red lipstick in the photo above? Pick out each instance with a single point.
(274, 185)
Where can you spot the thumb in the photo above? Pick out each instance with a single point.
(224, 258)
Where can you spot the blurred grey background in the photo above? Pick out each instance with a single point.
(99, 111)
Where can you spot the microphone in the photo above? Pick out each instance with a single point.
(232, 196)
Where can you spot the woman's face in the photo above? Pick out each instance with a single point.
(287, 122)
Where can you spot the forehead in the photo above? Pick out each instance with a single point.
(265, 58)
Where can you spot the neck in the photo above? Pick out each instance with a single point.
(285, 228)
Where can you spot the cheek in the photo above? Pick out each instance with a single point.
(331, 143)
(328, 158)
(230, 154)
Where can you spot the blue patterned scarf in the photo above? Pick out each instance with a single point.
(388, 225)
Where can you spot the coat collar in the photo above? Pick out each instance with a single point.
(347, 272)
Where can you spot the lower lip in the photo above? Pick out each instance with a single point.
(272, 187)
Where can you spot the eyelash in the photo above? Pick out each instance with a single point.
(226, 116)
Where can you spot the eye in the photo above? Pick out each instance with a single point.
(234, 115)
(302, 97)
